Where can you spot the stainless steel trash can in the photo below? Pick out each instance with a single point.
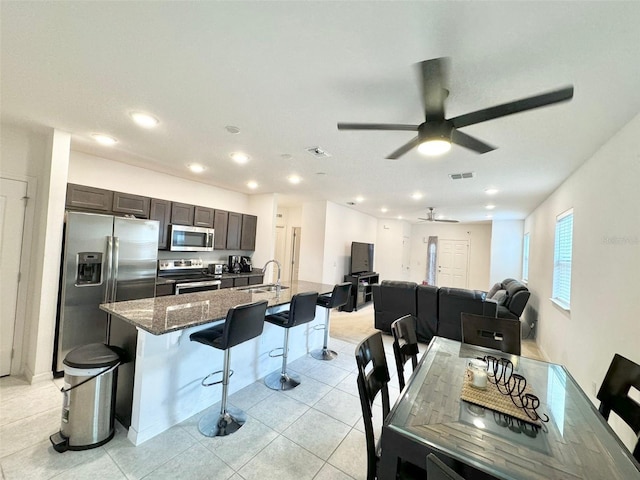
(88, 406)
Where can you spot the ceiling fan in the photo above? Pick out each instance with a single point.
(432, 218)
(436, 134)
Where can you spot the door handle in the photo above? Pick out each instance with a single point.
(108, 277)
(116, 259)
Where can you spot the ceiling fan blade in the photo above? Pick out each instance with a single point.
(467, 141)
(423, 219)
(505, 109)
(405, 148)
(434, 79)
(377, 126)
(445, 221)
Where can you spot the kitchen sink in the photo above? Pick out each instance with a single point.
(267, 288)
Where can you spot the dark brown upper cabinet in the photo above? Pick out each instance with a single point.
(234, 227)
(160, 210)
(80, 197)
(220, 222)
(182, 214)
(203, 217)
(130, 204)
(248, 238)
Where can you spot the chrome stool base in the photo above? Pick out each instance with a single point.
(280, 381)
(215, 424)
(324, 354)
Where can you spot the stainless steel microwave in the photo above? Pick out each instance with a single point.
(183, 238)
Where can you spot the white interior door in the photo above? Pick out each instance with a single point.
(453, 263)
(281, 253)
(12, 207)
(406, 258)
(295, 253)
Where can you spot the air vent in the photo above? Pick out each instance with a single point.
(317, 152)
(460, 176)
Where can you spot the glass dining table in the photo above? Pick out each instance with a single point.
(430, 417)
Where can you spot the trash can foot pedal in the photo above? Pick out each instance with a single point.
(60, 442)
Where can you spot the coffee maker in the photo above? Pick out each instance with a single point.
(234, 264)
(245, 264)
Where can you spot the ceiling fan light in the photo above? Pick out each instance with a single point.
(434, 147)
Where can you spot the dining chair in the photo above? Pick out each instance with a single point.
(614, 394)
(493, 332)
(373, 379)
(405, 344)
(438, 470)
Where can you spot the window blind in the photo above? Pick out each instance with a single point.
(525, 257)
(562, 259)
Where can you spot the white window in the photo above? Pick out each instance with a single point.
(562, 260)
(525, 257)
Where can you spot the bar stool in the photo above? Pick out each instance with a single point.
(301, 310)
(337, 298)
(243, 323)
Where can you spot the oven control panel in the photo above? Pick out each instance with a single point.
(180, 264)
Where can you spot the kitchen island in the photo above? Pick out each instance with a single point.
(161, 384)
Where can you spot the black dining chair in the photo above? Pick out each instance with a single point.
(493, 332)
(438, 470)
(405, 344)
(614, 394)
(373, 379)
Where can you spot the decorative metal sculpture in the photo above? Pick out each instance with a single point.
(500, 373)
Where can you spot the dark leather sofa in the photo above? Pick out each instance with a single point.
(438, 309)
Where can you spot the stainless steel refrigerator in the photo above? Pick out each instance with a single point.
(105, 259)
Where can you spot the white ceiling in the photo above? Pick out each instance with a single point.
(286, 72)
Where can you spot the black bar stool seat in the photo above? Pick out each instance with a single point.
(338, 297)
(243, 323)
(301, 310)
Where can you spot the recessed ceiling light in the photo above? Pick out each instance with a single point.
(252, 185)
(491, 191)
(144, 119)
(240, 157)
(295, 179)
(196, 167)
(232, 129)
(384, 210)
(359, 199)
(104, 139)
(416, 196)
(434, 147)
(490, 207)
(399, 217)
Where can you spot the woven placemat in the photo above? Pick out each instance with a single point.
(493, 399)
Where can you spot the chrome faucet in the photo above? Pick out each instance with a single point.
(277, 281)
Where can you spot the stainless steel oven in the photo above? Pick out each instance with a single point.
(183, 238)
(197, 286)
(188, 275)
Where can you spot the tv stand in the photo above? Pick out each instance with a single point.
(361, 293)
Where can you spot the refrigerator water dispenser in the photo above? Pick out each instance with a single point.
(89, 268)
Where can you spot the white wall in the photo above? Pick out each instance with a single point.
(605, 302)
(265, 207)
(41, 158)
(506, 250)
(343, 226)
(312, 241)
(479, 236)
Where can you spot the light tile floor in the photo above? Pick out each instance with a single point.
(312, 432)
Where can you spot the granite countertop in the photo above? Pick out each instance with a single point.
(169, 313)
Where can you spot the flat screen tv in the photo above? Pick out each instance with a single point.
(361, 257)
